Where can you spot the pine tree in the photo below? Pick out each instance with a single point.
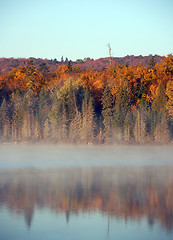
(62, 59)
(151, 62)
(69, 65)
(158, 105)
(44, 69)
(55, 118)
(75, 128)
(71, 102)
(4, 121)
(140, 129)
(88, 125)
(128, 126)
(43, 110)
(46, 131)
(17, 117)
(26, 127)
(63, 127)
(107, 114)
(36, 134)
(120, 108)
(66, 60)
(169, 93)
(29, 115)
(161, 133)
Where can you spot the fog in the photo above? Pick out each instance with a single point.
(96, 191)
(43, 156)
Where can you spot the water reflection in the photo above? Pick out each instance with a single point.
(130, 193)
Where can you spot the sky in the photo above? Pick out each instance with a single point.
(78, 28)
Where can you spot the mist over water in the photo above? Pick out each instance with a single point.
(86, 192)
(43, 156)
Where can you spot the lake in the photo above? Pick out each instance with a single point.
(86, 192)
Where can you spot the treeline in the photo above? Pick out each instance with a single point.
(7, 64)
(120, 104)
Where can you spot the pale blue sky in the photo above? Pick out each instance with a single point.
(78, 29)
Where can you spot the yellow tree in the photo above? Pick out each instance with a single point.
(168, 63)
(169, 93)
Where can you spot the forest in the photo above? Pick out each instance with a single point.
(87, 101)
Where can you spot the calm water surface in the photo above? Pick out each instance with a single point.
(86, 192)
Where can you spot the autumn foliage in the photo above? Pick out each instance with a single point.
(130, 103)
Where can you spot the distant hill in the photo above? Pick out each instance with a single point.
(7, 64)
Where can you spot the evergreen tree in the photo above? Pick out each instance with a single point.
(161, 133)
(88, 125)
(28, 127)
(169, 93)
(158, 105)
(63, 127)
(71, 102)
(43, 109)
(69, 65)
(44, 69)
(120, 108)
(140, 128)
(46, 131)
(55, 61)
(62, 59)
(4, 121)
(151, 62)
(107, 114)
(17, 117)
(66, 60)
(75, 128)
(128, 126)
(55, 118)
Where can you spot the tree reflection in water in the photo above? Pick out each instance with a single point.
(120, 192)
